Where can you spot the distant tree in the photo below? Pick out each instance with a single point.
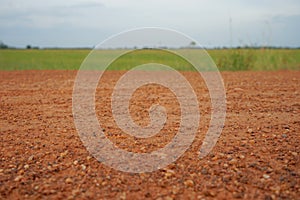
(3, 46)
(193, 43)
(28, 46)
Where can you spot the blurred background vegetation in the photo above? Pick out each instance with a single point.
(235, 59)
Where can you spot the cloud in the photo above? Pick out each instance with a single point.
(206, 21)
(17, 13)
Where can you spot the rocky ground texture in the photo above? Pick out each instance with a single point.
(256, 157)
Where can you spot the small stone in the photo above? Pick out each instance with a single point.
(294, 153)
(209, 193)
(269, 170)
(215, 158)
(36, 187)
(21, 172)
(169, 173)
(11, 166)
(123, 196)
(64, 153)
(266, 176)
(189, 183)
(18, 178)
(75, 162)
(1, 170)
(238, 89)
(26, 166)
(31, 158)
(232, 161)
(88, 158)
(225, 165)
(83, 167)
(284, 135)
(221, 155)
(241, 156)
(68, 180)
(250, 130)
(286, 126)
(252, 141)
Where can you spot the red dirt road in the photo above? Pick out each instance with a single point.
(256, 157)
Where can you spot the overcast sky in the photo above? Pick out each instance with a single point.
(85, 23)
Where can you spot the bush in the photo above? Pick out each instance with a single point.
(3, 46)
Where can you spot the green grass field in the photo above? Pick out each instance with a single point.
(226, 59)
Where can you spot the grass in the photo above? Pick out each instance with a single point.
(226, 59)
(17, 59)
(139, 57)
(256, 59)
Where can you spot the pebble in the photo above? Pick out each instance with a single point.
(215, 158)
(238, 89)
(123, 196)
(189, 183)
(294, 153)
(31, 158)
(83, 167)
(266, 176)
(64, 154)
(221, 155)
(209, 193)
(232, 161)
(286, 126)
(75, 162)
(18, 178)
(250, 130)
(68, 180)
(269, 170)
(88, 158)
(169, 173)
(26, 166)
(252, 141)
(11, 166)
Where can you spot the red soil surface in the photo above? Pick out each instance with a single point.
(256, 157)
